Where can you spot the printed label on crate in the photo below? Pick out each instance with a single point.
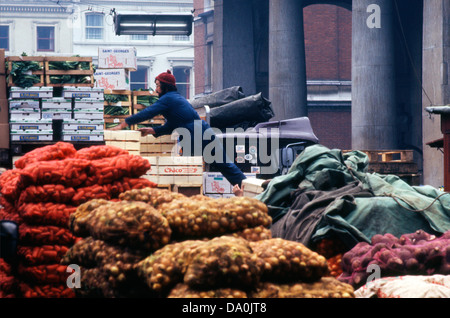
(31, 92)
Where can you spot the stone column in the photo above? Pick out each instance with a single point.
(234, 57)
(287, 66)
(373, 76)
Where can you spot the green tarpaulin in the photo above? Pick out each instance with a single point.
(329, 194)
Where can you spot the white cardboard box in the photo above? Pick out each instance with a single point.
(88, 114)
(88, 103)
(31, 124)
(215, 182)
(20, 115)
(117, 57)
(31, 92)
(29, 104)
(56, 114)
(82, 136)
(57, 103)
(112, 79)
(81, 125)
(83, 92)
(31, 135)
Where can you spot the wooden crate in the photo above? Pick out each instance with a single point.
(125, 139)
(160, 146)
(127, 105)
(49, 72)
(183, 171)
(137, 107)
(40, 73)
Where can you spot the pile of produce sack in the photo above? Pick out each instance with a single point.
(41, 193)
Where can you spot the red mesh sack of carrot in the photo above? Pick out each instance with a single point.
(57, 151)
(45, 234)
(46, 213)
(43, 274)
(69, 172)
(44, 254)
(107, 170)
(10, 184)
(46, 291)
(99, 152)
(56, 193)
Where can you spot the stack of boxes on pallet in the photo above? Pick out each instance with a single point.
(25, 111)
(87, 122)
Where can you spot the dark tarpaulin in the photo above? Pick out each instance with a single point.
(218, 98)
(327, 194)
(251, 110)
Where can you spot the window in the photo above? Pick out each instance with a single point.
(94, 26)
(183, 77)
(138, 78)
(181, 38)
(45, 38)
(4, 37)
(139, 37)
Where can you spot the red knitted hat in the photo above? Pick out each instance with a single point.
(167, 78)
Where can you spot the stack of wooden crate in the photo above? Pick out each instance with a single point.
(124, 106)
(137, 107)
(181, 174)
(397, 162)
(124, 139)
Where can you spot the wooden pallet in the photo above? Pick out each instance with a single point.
(137, 107)
(399, 162)
(40, 73)
(49, 72)
(390, 155)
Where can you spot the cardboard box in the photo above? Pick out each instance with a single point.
(57, 103)
(81, 125)
(252, 187)
(112, 79)
(88, 114)
(29, 104)
(31, 135)
(20, 115)
(31, 92)
(82, 136)
(117, 57)
(4, 136)
(83, 92)
(56, 114)
(88, 103)
(215, 182)
(31, 124)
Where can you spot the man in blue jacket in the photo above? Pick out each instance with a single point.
(180, 115)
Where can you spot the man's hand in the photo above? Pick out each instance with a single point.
(146, 131)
